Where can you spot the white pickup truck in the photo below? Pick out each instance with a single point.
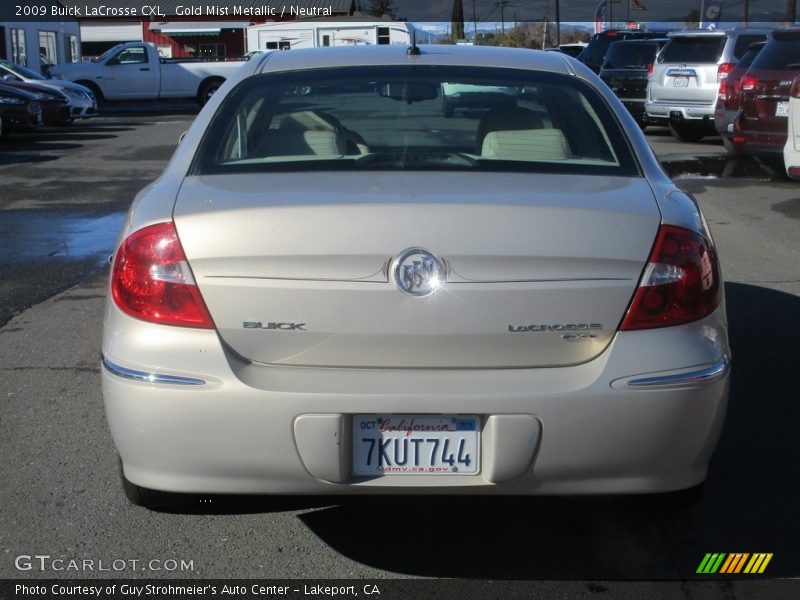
(135, 71)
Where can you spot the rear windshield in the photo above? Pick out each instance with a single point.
(749, 56)
(414, 118)
(634, 55)
(743, 42)
(779, 55)
(695, 50)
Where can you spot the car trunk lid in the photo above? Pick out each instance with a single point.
(294, 268)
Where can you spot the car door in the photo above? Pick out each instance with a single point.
(129, 74)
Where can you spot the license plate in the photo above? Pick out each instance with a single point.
(680, 82)
(782, 109)
(416, 445)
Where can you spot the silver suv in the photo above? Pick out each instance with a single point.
(683, 85)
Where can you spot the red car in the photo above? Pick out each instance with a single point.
(19, 110)
(55, 105)
(727, 107)
(760, 128)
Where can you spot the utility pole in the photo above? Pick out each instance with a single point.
(544, 29)
(502, 4)
(474, 26)
(558, 22)
(791, 11)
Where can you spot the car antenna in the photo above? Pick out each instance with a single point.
(413, 50)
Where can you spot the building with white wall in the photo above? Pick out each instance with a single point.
(34, 44)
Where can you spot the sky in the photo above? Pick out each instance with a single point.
(583, 10)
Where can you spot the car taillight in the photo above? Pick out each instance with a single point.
(650, 69)
(723, 70)
(748, 83)
(152, 280)
(723, 89)
(681, 282)
(795, 91)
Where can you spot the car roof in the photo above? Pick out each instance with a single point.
(440, 55)
(718, 32)
(641, 41)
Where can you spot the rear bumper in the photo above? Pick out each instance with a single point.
(643, 417)
(769, 143)
(791, 157)
(666, 110)
(723, 122)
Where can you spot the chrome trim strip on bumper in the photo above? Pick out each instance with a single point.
(700, 376)
(142, 376)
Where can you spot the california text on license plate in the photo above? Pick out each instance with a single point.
(782, 109)
(416, 445)
(680, 81)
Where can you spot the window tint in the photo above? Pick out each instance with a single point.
(778, 54)
(394, 118)
(693, 50)
(743, 43)
(134, 55)
(749, 57)
(630, 56)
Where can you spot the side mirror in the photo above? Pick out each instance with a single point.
(181, 136)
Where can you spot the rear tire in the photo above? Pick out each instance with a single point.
(687, 132)
(207, 90)
(774, 165)
(680, 500)
(448, 109)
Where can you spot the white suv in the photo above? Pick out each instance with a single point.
(683, 85)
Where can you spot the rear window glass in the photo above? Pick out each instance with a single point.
(743, 43)
(635, 55)
(693, 50)
(414, 118)
(778, 55)
(749, 57)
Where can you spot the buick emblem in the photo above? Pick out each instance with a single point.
(418, 272)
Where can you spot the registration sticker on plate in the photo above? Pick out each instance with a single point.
(416, 445)
(782, 109)
(680, 81)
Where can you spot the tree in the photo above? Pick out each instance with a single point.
(692, 20)
(381, 8)
(458, 20)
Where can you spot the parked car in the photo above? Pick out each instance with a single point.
(135, 71)
(82, 103)
(253, 54)
(686, 76)
(761, 126)
(572, 50)
(348, 293)
(19, 110)
(627, 66)
(595, 52)
(728, 97)
(791, 150)
(462, 95)
(55, 105)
